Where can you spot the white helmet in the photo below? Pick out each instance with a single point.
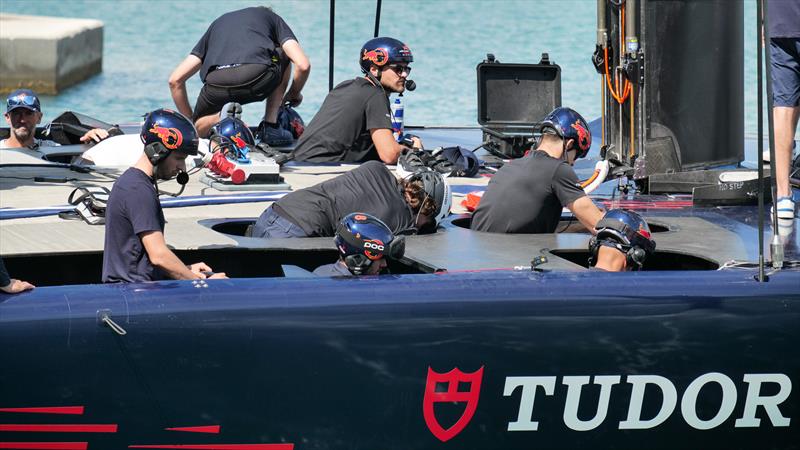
(438, 189)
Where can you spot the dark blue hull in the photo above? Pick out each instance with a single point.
(325, 364)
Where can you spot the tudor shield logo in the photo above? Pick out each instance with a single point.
(451, 394)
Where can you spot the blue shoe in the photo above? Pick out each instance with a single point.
(274, 137)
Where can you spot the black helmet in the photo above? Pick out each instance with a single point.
(382, 51)
(627, 232)
(362, 238)
(165, 131)
(233, 135)
(568, 124)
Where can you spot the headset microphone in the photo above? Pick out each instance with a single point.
(410, 85)
(182, 178)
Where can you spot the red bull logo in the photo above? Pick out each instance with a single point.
(374, 249)
(584, 138)
(378, 56)
(170, 137)
(643, 231)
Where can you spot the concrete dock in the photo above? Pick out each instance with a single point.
(48, 54)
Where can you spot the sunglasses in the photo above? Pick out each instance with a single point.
(398, 69)
(22, 100)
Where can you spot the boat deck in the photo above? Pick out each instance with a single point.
(701, 237)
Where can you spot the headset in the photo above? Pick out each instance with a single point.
(614, 232)
(634, 255)
(156, 153)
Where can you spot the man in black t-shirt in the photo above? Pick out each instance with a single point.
(405, 206)
(135, 249)
(354, 123)
(527, 195)
(243, 57)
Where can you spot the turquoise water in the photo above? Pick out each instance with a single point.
(144, 40)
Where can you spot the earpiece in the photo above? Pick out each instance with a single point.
(156, 152)
(637, 256)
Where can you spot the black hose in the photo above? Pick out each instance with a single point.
(330, 44)
(377, 18)
(760, 76)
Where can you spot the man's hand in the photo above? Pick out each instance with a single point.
(96, 135)
(293, 99)
(16, 286)
(199, 269)
(219, 275)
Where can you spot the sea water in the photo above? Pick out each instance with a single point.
(145, 40)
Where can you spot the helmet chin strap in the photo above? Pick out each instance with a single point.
(376, 80)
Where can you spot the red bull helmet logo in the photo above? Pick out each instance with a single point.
(643, 231)
(378, 56)
(170, 137)
(584, 138)
(238, 141)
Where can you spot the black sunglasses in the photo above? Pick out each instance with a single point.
(399, 69)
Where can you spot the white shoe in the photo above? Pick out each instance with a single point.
(785, 207)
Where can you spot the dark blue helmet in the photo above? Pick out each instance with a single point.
(165, 131)
(362, 239)
(232, 134)
(568, 124)
(382, 51)
(627, 232)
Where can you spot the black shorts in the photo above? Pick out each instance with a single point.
(243, 84)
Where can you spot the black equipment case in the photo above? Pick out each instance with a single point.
(511, 99)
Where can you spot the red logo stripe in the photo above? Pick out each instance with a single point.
(60, 428)
(220, 446)
(78, 410)
(204, 429)
(45, 445)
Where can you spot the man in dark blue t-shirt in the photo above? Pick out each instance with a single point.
(243, 57)
(135, 249)
(364, 244)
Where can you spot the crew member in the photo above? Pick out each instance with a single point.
(784, 43)
(527, 195)
(135, 249)
(354, 123)
(414, 204)
(23, 113)
(622, 242)
(364, 243)
(243, 57)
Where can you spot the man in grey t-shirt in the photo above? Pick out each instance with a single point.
(354, 123)
(527, 195)
(23, 113)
